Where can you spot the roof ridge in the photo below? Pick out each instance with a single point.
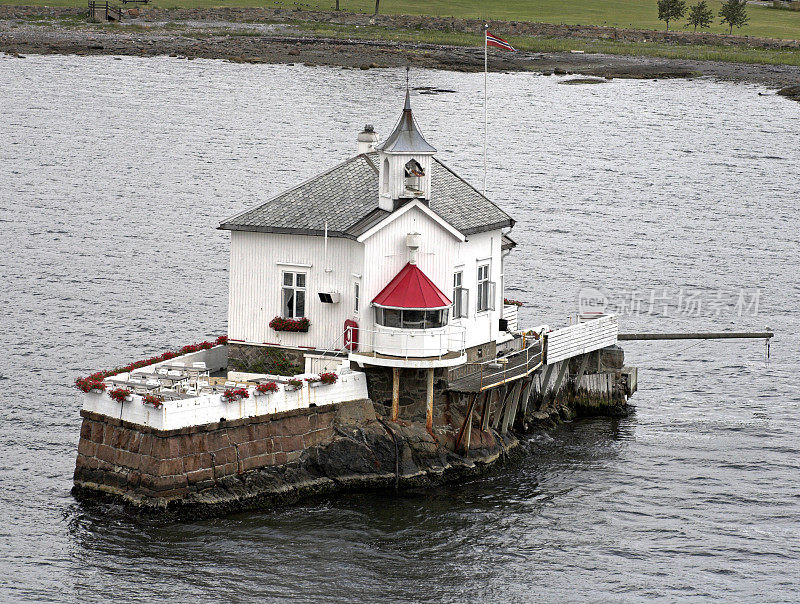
(297, 186)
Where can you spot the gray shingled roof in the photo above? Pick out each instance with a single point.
(346, 196)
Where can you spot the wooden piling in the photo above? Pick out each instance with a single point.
(487, 403)
(395, 393)
(429, 413)
(581, 370)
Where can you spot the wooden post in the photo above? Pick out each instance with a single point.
(469, 425)
(501, 403)
(546, 379)
(429, 414)
(581, 370)
(561, 371)
(511, 407)
(526, 394)
(395, 393)
(466, 430)
(487, 402)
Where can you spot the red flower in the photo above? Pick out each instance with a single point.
(281, 324)
(119, 394)
(234, 394)
(268, 387)
(152, 399)
(90, 383)
(94, 381)
(328, 377)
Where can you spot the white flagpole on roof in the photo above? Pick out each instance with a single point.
(485, 95)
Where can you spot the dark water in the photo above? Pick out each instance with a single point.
(113, 176)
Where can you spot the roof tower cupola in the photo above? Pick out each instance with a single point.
(405, 162)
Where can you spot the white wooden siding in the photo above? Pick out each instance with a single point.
(257, 263)
(579, 339)
(483, 326)
(386, 253)
(258, 260)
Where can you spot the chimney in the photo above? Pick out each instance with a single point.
(367, 139)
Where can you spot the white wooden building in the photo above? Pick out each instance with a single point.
(392, 224)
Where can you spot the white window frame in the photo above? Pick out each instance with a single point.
(486, 288)
(356, 297)
(460, 296)
(295, 288)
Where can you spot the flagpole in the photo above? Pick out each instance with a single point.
(485, 94)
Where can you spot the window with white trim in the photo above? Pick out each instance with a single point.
(460, 296)
(356, 297)
(293, 295)
(485, 289)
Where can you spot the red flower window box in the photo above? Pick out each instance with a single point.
(234, 394)
(281, 324)
(120, 394)
(266, 388)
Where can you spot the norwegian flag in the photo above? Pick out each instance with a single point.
(492, 40)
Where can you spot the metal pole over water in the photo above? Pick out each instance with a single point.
(485, 96)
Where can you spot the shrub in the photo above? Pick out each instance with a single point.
(294, 382)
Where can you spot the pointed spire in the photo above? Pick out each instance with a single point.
(406, 137)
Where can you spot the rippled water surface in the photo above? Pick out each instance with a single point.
(113, 176)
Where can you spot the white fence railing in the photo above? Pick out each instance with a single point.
(207, 408)
(510, 314)
(437, 342)
(575, 340)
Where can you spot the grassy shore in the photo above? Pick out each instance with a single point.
(638, 14)
(734, 54)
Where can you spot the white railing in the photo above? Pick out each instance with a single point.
(581, 338)
(209, 407)
(510, 314)
(413, 343)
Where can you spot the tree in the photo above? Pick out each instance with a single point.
(669, 10)
(734, 13)
(700, 15)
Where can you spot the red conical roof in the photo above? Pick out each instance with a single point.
(411, 288)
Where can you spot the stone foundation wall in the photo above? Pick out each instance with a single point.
(120, 457)
(265, 359)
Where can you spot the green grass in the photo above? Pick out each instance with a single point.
(535, 44)
(764, 22)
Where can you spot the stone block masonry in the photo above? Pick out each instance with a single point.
(137, 462)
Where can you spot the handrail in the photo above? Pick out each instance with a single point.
(448, 342)
(333, 343)
(491, 379)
